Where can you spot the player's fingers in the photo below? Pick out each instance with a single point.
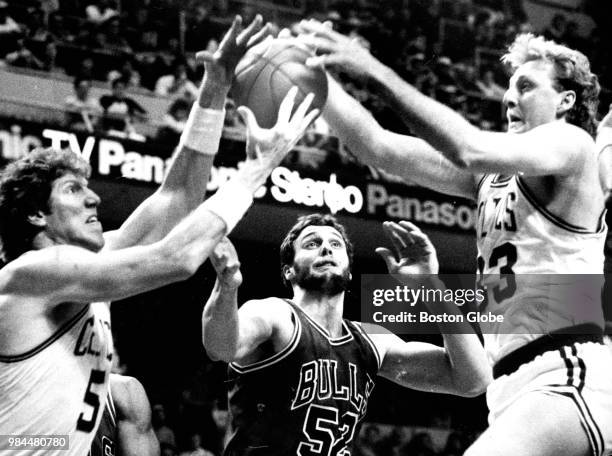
(321, 45)
(249, 119)
(284, 33)
(324, 30)
(402, 232)
(204, 56)
(264, 34)
(232, 33)
(286, 106)
(312, 115)
(302, 109)
(254, 27)
(387, 257)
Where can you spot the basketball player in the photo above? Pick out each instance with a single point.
(55, 336)
(125, 428)
(540, 210)
(301, 375)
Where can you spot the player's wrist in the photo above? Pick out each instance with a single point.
(230, 203)
(202, 132)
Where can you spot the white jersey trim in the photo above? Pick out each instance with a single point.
(370, 341)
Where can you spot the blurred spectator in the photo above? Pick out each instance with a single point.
(36, 27)
(100, 11)
(23, 57)
(119, 109)
(167, 449)
(115, 37)
(454, 446)
(489, 87)
(82, 108)
(58, 29)
(174, 122)
(126, 71)
(421, 444)
(164, 434)
(467, 78)
(177, 84)
(200, 29)
(368, 440)
(49, 58)
(195, 447)
(220, 416)
(9, 30)
(556, 29)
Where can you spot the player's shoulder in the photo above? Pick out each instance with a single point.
(272, 309)
(128, 394)
(569, 135)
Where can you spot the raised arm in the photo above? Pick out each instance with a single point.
(553, 149)
(404, 156)
(232, 334)
(460, 367)
(184, 185)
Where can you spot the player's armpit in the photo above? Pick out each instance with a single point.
(262, 321)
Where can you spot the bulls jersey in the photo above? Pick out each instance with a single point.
(535, 252)
(105, 440)
(309, 398)
(60, 386)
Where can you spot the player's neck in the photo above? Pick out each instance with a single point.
(326, 310)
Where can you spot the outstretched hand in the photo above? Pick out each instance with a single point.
(224, 259)
(336, 50)
(221, 64)
(414, 253)
(270, 146)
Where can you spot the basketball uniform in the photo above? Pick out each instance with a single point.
(551, 337)
(105, 440)
(59, 387)
(307, 399)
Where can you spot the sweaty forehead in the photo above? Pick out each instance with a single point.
(324, 231)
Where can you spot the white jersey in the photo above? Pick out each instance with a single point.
(527, 255)
(59, 387)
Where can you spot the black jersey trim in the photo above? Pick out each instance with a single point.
(59, 333)
(293, 343)
(366, 336)
(593, 432)
(554, 218)
(481, 182)
(333, 341)
(500, 181)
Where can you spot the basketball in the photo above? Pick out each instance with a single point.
(265, 74)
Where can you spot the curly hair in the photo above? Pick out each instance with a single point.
(25, 188)
(287, 249)
(572, 72)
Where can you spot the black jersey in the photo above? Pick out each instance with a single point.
(307, 399)
(105, 440)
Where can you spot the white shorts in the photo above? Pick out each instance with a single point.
(581, 372)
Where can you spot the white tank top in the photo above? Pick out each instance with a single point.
(534, 252)
(59, 387)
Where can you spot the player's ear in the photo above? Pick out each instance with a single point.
(568, 99)
(38, 219)
(288, 273)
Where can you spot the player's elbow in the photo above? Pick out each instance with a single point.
(473, 386)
